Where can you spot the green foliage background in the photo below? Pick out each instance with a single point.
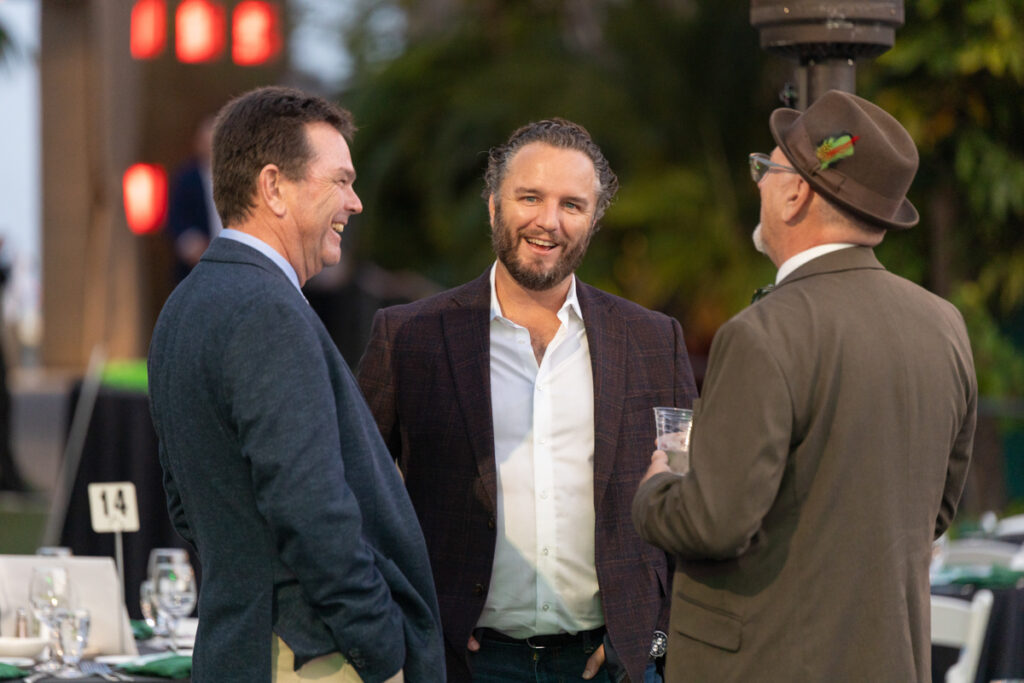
(677, 92)
(675, 98)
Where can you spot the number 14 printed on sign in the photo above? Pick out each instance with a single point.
(113, 507)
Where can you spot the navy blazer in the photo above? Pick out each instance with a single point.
(188, 209)
(426, 376)
(275, 472)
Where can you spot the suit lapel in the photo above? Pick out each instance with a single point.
(606, 336)
(467, 339)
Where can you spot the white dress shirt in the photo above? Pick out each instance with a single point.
(797, 260)
(543, 580)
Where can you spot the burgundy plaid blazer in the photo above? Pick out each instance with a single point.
(426, 377)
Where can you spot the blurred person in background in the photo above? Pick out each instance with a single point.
(192, 219)
(10, 477)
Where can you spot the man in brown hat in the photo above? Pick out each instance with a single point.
(832, 439)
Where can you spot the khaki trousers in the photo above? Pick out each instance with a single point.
(332, 668)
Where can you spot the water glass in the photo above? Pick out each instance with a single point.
(49, 592)
(73, 627)
(155, 618)
(158, 556)
(176, 594)
(147, 604)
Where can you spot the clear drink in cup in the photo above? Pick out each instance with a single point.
(673, 430)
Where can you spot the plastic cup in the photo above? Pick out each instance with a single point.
(673, 427)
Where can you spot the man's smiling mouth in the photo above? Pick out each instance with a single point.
(537, 242)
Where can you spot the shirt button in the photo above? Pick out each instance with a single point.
(544, 551)
(490, 523)
(478, 589)
(545, 607)
(544, 494)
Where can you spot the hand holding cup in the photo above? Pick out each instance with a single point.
(673, 436)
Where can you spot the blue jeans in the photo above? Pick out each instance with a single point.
(501, 662)
(651, 675)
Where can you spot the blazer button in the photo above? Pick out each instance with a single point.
(478, 589)
(490, 523)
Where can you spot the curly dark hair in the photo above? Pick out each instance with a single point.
(556, 132)
(265, 126)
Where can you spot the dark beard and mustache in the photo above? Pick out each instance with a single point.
(505, 241)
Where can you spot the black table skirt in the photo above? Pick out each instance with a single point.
(121, 445)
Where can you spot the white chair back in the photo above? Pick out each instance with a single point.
(1010, 529)
(961, 624)
(981, 552)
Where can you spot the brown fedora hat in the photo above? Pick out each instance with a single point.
(853, 153)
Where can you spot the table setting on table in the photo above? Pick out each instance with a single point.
(986, 562)
(48, 638)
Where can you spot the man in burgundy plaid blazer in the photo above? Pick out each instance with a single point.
(519, 408)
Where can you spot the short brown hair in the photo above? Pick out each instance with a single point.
(560, 133)
(265, 126)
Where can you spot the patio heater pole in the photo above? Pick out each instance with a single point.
(825, 38)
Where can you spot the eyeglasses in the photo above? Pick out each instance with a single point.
(760, 164)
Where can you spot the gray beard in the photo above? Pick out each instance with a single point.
(758, 240)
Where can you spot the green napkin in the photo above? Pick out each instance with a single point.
(141, 630)
(171, 666)
(994, 577)
(9, 671)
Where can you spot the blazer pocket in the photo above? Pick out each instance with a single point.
(706, 624)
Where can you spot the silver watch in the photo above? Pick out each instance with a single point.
(658, 645)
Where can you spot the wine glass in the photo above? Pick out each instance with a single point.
(175, 588)
(73, 628)
(147, 604)
(154, 618)
(49, 591)
(165, 556)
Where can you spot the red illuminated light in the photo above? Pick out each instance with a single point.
(255, 33)
(199, 30)
(145, 197)
(149, 28)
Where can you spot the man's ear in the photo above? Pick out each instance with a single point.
(797, 198)
(270, 191)
(490, 208)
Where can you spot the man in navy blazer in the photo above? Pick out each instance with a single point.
(519, 406)
(192, 219)
(313, 563)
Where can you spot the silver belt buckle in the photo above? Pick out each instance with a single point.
(529, 641)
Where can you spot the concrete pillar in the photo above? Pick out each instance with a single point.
(90, 261)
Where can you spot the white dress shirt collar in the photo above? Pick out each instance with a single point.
(794, 262)
(571, 301)
(265, 249)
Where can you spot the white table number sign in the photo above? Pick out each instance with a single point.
(113, 507)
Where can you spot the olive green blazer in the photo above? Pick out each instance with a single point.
(830, 447)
